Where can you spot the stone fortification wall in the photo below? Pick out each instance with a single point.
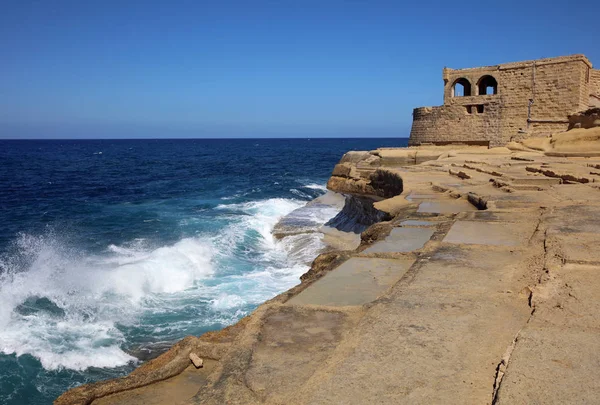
(595, 88)
(446, 124)
(512, 101)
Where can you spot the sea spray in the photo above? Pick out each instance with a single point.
(108, 259)
(92, 295)
(98, 298)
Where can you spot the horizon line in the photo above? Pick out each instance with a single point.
(213, 139)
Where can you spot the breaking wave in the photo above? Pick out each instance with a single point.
(314, 186)
(75, 310)
(63, 306)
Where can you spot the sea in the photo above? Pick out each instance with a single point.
(112, 250)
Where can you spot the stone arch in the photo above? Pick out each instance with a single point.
(461, 87)
(487, 85)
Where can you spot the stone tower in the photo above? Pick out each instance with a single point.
(493, 105)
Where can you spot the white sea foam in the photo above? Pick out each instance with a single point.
(225, 301)
(272, 207)
(299, 193)
(260, 216)
(315, 186)
(279, 263)
(90, 297)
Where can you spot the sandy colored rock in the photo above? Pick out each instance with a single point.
(167, 365)
(354, 157)
(402, 240)
(538, 143)
(459, 173)
(393, 205)
(196, 360)
(585, 119)
(341, 170)
(350, 186)
(339, 240)
(482, 233)
(174, 390)
(479, 296)
(516, 146)
(355, 282)
(576, 141)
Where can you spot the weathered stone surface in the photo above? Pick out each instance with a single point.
(555, 358)
(196, 360)
(341, 170)
(165, 366)
(402, 240)
(489, 233)
(386, 183)
(582, 177)
(586, 119)
(392, 206)
(324, 263)
(413, 222)
(396, 157)
(501, 305)
(459, 173)
(446, 206)
(436, 339)
(350, 186)
(356, 282)
(379, 183)
(354, 156)
(173, 390)
(532, 180)
(294, 344)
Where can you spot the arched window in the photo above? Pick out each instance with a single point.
(487, 85)
(461, 87)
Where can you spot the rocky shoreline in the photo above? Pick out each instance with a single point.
(477, 286)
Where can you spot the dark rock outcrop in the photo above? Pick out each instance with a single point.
(586, 119)
(357, 215)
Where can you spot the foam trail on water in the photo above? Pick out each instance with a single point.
(314, 186)
(299, 193)
(260, 216)
(277, 264)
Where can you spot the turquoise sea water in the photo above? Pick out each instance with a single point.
(112, 250)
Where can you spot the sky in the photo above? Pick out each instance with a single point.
(304, 68)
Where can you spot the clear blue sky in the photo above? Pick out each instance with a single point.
(258, 68)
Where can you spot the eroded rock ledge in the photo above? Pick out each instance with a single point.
(479, 288)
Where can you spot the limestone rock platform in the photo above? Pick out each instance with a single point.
(483, 288)
(356, 282)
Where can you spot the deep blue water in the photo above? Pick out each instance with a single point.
(112, 249)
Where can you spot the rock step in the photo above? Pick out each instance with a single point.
(483, 170)
(509, 186)
(561, 174)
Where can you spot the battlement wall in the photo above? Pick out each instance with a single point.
(476, 124)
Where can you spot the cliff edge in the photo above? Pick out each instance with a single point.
(479, 287)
